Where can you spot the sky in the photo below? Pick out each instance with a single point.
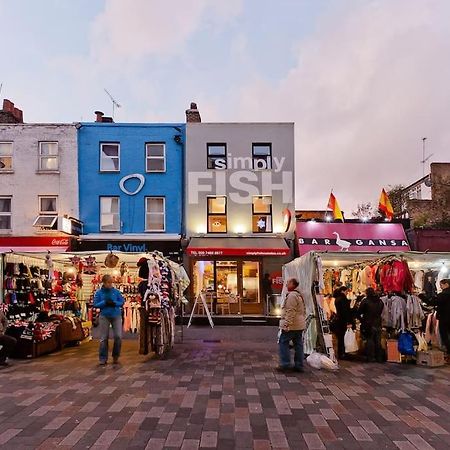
(363, 80)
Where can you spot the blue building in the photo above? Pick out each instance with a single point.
(131, 186)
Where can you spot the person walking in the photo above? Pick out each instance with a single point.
(443, 314)
(7, 343)
(369, 312)
(344, 318)
(292, 325)
(110, 301)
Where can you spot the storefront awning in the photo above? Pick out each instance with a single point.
(37, 244)
(237, 247)
(351, 237)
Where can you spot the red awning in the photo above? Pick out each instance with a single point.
(351, 237)
(237, 247)
(38, 244)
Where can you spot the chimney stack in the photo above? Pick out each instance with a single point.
(9, 113)
(98, 116)
(193, 114)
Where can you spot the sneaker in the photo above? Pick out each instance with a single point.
(282, 369)
(103, 363)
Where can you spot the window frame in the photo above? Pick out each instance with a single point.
(214, 157)
(2, 213)
(114, 157)
(147, 213)
(8, 156)
(147, 158)
(101, 214)
(47, 213)
(256, 157)
(269, 214)
(41, 156)
(209, 214)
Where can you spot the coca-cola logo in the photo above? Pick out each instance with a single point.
(60, 242)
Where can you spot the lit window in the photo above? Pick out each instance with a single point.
(6, 156)
(262, 214)
(217, 214)
(262, 156)
(109, 157)
(48, 212)
(48, 156)
(5, 213)
(109, 214)
(155, 214)
(217, 156)
(155, 157)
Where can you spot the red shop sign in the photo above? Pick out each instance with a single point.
(34, 243)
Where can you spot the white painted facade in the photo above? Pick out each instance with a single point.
(26, 181)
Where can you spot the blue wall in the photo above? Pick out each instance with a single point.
(132, 138)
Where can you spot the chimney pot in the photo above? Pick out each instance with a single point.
(193, 114)
(8, 105)
(99, 116)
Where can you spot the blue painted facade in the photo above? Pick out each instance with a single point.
(93, 183)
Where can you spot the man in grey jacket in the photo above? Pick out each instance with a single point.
(292, 324)
(7, 343)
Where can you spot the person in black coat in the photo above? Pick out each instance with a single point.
(369, 313)
(443, 313)
(344, 318)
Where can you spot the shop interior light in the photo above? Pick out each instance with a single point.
(364, 219)
(328, 218)
(312, 220)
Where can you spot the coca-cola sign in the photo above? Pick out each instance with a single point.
(34, 243)
(60, 242)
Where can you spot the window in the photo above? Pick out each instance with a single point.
(155, 155)
(262, 214)
(217, 156)
(6, 156)
(48, 212)
(217, 214)
(110, 157)
(5, 213)
(48, 156)
(155, 214)
(109, 214)
(262, 156)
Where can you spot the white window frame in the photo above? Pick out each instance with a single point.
(42, 157)
(2, 213)
(147, 213)
(8, 156)
(46, 216)
(48, 213)
(102, 158)
(101, 213)
(147, 157)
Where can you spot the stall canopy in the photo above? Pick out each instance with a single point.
(351, 237)
(34, 244)
(237, 247)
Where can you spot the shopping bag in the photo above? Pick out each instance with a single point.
(406, 344)
(314, 360)
(350, 342)
(327, 363)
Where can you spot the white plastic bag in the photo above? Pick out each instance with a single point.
(327, 363)
(350, 342)
(315, 360)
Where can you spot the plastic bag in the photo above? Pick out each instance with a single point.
(315, 360)
(423, 346)
(406, 344)
(350, 342)
(327, 363)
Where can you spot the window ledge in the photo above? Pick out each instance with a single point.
(155, 231)
(6, 171)
(47, 172)
(3, 232)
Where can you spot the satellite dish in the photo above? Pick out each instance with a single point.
(428, 181)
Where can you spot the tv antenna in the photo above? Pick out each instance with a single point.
(1, 86)
(424, 159)
(115, 103)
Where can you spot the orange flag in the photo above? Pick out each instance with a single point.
(334, 206)
(385, 206)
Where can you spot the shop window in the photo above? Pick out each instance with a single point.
(217, 156)
(5, 213)
(109, 214)
(155, 154)
(48, 212)
(217, 214)
(262, 156)
(48, 156)
(250, 282)
(262, 214)
(6, 156)
(110, 157)
(155, 214)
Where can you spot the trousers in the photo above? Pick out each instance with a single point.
(7, 344)
(373, 344)
(284, 351)
(104, 324)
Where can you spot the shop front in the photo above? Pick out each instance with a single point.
(230, 272)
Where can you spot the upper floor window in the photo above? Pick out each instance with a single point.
(262, 214)
(217, 156)
(48, 211)
(48, 156)
(217, 214)
(5, 213)
(6, 156)
(155, 155)
(110, 157)
(262, 156)
(109, 214)
(155, 214)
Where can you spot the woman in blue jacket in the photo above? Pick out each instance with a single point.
(110, 301)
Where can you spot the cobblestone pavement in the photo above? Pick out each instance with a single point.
(221, 395)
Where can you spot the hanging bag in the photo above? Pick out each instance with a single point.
(350, 342)
(406, 344)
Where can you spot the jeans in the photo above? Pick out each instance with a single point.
(340, 335)
(373, 344)
(104, 324)
(285, 354)
(7, 344)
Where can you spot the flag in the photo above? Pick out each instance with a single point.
(334, 206)
(385, 206)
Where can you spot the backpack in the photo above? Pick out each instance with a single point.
(406, 344)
